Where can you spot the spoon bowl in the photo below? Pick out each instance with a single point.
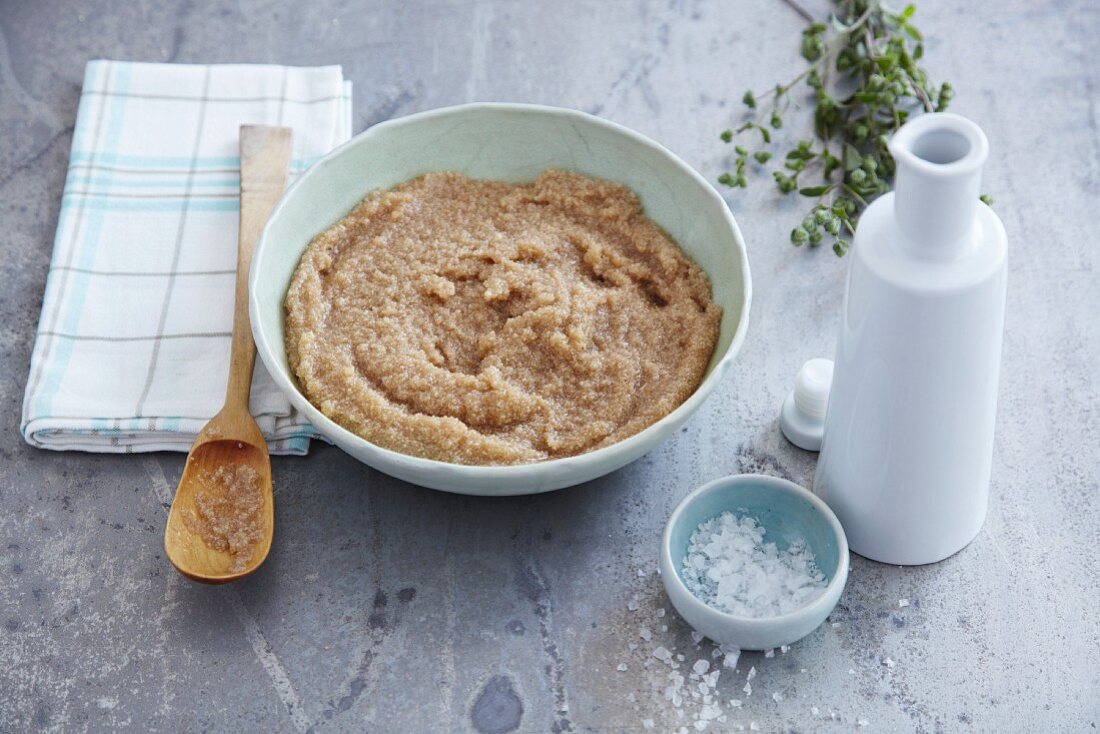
(220, 452)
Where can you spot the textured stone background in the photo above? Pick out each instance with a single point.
(388, 607)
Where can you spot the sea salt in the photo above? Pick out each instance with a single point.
(770, 652)
(662, 654)
(777, 696)
(701, 666)
(647, 724)
(730, 567)
(632, 605)
(645, 634)
(889, 663)
(621, 668)
(784, 649)
(660, 612)
(696, 637)
(903, 602)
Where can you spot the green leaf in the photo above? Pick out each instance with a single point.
(852, 157)
(817, 190)
(749, 100)
(727, 136)
(762, 156)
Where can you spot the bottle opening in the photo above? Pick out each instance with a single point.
(941, 146)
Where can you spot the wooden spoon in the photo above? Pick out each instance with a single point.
(213, 533)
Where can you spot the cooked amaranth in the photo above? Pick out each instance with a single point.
(482, 322)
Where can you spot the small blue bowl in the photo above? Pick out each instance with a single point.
(786, 511)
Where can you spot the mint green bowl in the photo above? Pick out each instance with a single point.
(786, 511)
(509, 142)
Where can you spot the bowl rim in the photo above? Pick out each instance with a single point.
(839, 577)
(508, 472)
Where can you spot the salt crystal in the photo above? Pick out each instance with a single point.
(903, 602)
(664, 628)
(730, 567)
(699, 724)
(621, 668)
(662, 654)
(735, 703)
(747, 689)
(660, 612)
(647, 724)
(680, 657)
(754, 726)
(862, 722)
(634, 646)
(784, 649)
(851, 671)
(752, 673)
(711, 678)
(710, 712)
(645, 634)
(641, 572)
(716, 652)
(836, 624)
(696, 637)
(801, 670)
(889, 663)
(701, 666)
(730, 660)
(632, 605)
(814, 710)
(631, 698)
(769, 653)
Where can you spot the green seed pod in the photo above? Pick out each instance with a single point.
(857, 176)
(799, 236)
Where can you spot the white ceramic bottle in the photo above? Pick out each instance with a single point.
(908, 441)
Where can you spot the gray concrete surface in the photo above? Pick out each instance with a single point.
(390, 608)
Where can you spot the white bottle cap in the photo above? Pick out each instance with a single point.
(802, 418)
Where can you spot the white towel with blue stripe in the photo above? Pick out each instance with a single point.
(132, 349)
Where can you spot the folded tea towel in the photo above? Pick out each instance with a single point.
(132, 349)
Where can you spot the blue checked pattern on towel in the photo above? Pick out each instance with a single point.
(132, 349)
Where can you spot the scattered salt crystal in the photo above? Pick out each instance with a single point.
(730, 567)
(660, 612)
(716, 652)
(747, 689)
(696, 637)
(851, 671)
(769, 653)
(777, 696)
(730, 659)
(631, 698)
(662, 654)
(752, 673)
(641, 572)
(710, 712)
(632, 646)
(814, 710)
(680, 657)
(621, 668)
(832, 715)
(754, 726)
(664, 628)
(862, 722)
(889, 663)
(701, 666)
(903, 602)
(784, 649)
(801, 670)
(711, 678)
(699, 725)
(632, 605)
(836, 624)
(735, 703)
(645, 634)
(647, 724)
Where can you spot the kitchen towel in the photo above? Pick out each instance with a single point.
(132, 348)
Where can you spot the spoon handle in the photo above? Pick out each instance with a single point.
(265, 159)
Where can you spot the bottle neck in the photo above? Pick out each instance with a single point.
(937, 182)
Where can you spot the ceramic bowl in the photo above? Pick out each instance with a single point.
(507, 142)
(786, 511)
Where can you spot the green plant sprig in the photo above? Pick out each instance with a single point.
(878, 86)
